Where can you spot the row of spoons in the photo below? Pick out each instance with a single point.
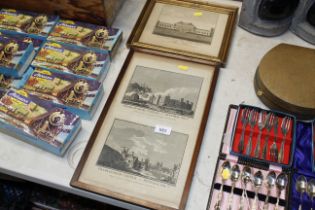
(303, 186)
(227, 172)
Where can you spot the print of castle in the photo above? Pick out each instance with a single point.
(159, 102)
(184, 30)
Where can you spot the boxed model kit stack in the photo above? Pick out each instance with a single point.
(51, 74)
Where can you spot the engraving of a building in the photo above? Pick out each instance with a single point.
(184, 30)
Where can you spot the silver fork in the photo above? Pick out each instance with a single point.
(253, 117)
(285, 127)
(244, 120)
(262, 121)
(273, 147)
(269, 125)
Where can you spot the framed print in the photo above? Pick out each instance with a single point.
(186, 29)
(144, 147)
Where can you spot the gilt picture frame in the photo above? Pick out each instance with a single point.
(130, 155)
(191, 30)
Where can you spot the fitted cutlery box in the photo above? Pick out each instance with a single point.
(303, 176)
(285, 80)
(264, 136)
(266, 182)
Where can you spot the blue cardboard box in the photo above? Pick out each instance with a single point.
(37, 41)
(37, 122)
(71, 59)
(27, 22)
(73, 93)
(86, 34)
(15, 56)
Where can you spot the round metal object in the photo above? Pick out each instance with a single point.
(285, 80)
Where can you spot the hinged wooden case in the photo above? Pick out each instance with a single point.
(93, 11)
(285, 80)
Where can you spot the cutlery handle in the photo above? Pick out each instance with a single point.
(257, 148)
(266, 203)
(277, 204)
(274, 150)
(278, 198)
(281, 153)
(231, 197)
(254, 205)
(242, 201)
(300, 207)
(241, 143)
(264, 152)
(249, 144)
(217, 206)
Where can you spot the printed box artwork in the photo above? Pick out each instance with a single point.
(85, 34)
(73, 59)
(26, 22)
(78, 95)
(36, 41)
(37, 122)
(5, 82)
(15, 56)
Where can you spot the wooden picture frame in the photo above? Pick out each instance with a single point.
(130, 128)
(185, 29)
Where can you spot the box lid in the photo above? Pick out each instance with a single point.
(285, 80)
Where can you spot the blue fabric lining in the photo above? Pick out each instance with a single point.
(302, 163)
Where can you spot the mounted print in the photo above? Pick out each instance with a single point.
(144, 147)
(185, 29)
(177, 94)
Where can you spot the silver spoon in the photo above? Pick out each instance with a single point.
(311, 191)
(246, 177)
(300, 187)
(235, 175)
(281, 183)
(271, 182)
(225, 174)
(258, 181)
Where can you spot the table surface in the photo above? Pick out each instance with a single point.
(235, 86)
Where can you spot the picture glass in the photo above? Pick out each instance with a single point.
(185, 28)
(163, 91)
(136, 149)
(144, 147)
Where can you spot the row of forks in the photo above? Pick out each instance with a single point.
(267, 121)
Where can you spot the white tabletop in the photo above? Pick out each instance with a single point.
(235, 86)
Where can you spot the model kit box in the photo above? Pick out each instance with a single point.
(75, 94)
(85, 34)
(85, 62)
(37, 41)
(5, 82)
(27, 22)
(37, 122)
(15, 56)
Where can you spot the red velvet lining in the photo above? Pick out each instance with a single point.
(280, 137)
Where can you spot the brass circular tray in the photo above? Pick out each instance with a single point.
(285, 80)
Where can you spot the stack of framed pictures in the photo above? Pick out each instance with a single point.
(145, 145)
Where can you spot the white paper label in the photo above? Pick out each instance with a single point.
(163, 130)
(275, 168)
